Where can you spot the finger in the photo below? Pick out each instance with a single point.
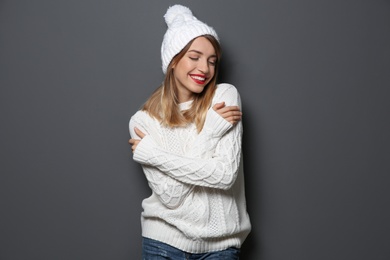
(219, 105)
(234, 118)
(134, 145)
(231, 114)
(232, 108)
(229, 109)
(233, 121)
(139, 132)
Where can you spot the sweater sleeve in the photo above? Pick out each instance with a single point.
(215, 157)
(169, 191)
(215, 126)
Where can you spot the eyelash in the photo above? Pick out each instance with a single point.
(213, 63)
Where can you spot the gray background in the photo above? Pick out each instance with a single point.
(314, 77)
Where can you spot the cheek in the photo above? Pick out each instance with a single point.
(212, 72)
(183, 67)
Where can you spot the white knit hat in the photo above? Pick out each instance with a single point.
(182, 28)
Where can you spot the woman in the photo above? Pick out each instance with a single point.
(187, 137)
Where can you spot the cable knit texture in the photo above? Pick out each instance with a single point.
(198, 198)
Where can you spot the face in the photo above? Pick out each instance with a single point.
(195, 70)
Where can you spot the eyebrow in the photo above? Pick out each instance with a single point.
(201, 53)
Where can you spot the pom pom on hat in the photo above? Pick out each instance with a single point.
(183, 27)
(177, 14)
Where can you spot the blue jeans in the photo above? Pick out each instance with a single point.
(156, 250)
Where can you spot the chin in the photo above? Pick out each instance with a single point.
(198, 90)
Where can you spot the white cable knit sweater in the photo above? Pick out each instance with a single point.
(198, 198)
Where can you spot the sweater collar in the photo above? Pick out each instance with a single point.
(185, 105)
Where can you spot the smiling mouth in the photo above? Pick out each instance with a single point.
(200, 79)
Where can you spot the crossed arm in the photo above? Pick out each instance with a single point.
(232, 114)
(211, 162)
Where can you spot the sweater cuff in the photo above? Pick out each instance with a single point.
(142, 151)
(216, 124)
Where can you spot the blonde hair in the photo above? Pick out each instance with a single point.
(163, 104)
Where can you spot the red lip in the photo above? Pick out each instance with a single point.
(199, 75)
(197, 80)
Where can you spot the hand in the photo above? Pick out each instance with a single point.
(134, 142)
(232, 114)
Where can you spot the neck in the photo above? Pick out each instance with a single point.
(184, 98)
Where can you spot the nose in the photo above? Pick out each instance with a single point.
(203, 66)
